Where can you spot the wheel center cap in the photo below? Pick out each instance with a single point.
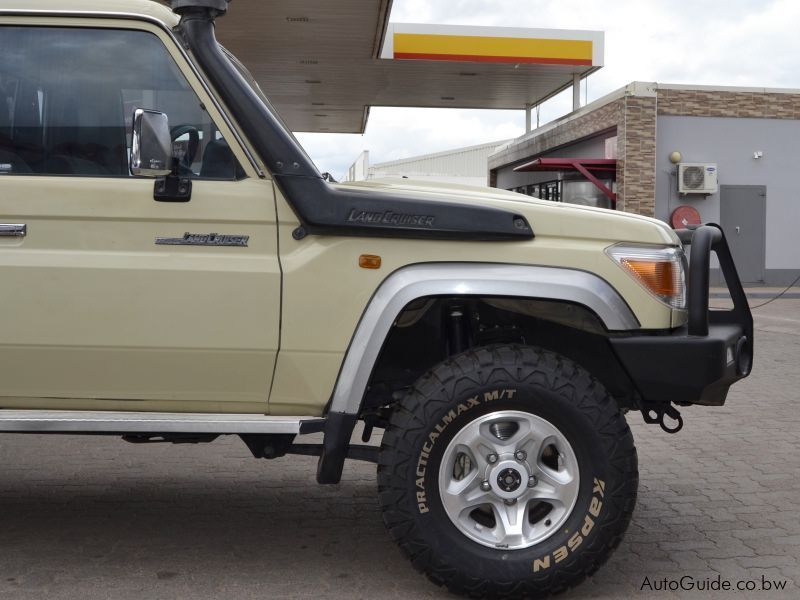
(509, 480)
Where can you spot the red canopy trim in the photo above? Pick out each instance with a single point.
(585, 166)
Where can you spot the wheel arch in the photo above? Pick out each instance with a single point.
(466, 280)
(449, 280)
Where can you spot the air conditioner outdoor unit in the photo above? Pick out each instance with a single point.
(697, 178)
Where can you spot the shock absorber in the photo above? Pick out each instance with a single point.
(457, 328)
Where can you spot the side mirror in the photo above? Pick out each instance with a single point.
(151, 148)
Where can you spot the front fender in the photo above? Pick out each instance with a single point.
(469, 280)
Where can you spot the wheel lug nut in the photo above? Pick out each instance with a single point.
(492, 458)
(520, 455)
(510, 501)
(486, 486)
(532, 481)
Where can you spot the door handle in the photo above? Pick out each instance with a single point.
(13, 230)
(738, 230)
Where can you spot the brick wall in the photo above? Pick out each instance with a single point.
(636, 145)
(709, 103)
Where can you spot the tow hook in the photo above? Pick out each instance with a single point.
(654, 415)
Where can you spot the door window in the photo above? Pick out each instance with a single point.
(67, 98)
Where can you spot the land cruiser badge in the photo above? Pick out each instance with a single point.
(390, 218)
(204, 239)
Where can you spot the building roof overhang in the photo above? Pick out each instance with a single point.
(566, 164)
(325, 64)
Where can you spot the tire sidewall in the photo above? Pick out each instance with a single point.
(576, 534)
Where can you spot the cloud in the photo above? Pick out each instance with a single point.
(703, 42)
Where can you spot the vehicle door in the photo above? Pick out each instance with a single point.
(110, 299)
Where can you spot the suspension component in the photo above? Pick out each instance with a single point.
(457, 326)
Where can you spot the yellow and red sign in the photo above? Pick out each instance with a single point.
(468, 48)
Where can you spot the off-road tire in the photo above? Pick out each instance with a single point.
(549, 386)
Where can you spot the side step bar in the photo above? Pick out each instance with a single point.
(111, 422)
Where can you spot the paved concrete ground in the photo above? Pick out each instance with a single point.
(97, 518)
(757, 292)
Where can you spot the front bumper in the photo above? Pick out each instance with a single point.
(697, 363)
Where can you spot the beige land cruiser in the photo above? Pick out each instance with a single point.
(173, 267)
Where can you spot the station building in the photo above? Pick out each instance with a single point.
(682, 154)
(463, 166)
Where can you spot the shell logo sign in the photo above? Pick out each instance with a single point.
(494, 45)
(409, 46)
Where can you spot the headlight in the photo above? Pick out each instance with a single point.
(659, 269)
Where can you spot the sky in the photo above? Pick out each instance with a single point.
(704, 42)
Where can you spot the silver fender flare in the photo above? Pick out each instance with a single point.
(465, 279)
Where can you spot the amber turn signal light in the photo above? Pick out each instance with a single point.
(369, 261)
(660, 270)
(659, 277)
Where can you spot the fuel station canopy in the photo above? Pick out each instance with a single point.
(324, 64)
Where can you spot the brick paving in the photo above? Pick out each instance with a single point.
(93, 517)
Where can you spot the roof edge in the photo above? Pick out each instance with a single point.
(725, 88)
(636, 89)
(399, 161)
(112, 9)
(384, 14)
(627, 90)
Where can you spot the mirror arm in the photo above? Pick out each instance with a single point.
(173, 187)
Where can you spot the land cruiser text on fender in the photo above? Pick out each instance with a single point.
(175, 269)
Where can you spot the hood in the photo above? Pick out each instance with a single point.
(556, 219)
